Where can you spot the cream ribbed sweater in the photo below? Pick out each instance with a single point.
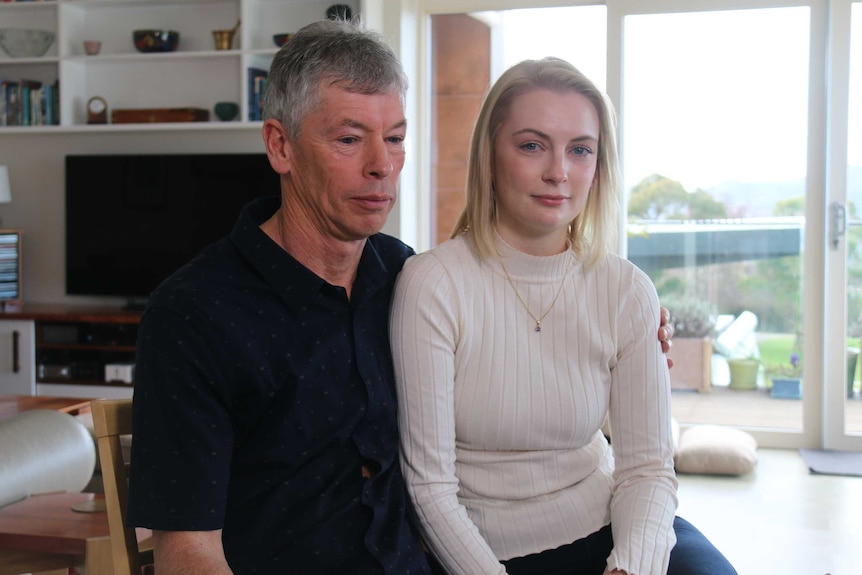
(500, 425)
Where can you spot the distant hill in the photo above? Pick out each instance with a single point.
(757, 199)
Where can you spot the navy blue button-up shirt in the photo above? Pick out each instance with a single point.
(261, 391)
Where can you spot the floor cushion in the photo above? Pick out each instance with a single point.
(716, 450)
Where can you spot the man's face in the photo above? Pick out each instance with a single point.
(346, 161)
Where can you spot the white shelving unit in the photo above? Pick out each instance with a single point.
(196, 75)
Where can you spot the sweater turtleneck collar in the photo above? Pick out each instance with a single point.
(527, 267)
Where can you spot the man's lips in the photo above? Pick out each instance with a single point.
(374, 201)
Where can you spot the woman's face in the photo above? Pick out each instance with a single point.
(545, 157)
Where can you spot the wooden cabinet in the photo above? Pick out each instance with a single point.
(17, 368)
(195, 75)
(63, 351)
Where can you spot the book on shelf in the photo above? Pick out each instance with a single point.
(29, 103)
(256, 86)
(10, 279)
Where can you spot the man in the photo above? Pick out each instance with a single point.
(264, 411)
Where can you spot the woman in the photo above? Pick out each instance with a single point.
(517, 337)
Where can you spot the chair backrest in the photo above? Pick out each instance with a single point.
(112, 419)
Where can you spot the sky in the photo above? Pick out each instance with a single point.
(709, 97)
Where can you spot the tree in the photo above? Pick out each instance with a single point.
(792, 207)
(702, 206)
(657, 197)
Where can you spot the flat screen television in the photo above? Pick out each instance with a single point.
(132, 220)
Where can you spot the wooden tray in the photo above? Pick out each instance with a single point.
(159, 115)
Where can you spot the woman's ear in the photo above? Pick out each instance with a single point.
(278, 147)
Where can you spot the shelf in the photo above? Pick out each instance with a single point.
(132, 3)
(175, 126)
(27, 61)
(195, 76)
(87, 347)
(74, 314)
(138, 58)
(84, 382)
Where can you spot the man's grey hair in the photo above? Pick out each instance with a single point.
(335, 51)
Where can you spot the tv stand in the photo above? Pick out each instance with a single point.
(135, 305)
(63, 350)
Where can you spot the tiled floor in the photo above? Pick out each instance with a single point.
(780, 518)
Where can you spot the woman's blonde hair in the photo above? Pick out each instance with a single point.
(593, 232)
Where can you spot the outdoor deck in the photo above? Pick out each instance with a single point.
(756, 408)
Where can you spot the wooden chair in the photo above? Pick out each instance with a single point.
(111, 419)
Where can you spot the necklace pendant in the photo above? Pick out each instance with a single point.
(538, 327)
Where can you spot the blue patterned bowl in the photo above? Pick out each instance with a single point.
(156, 40)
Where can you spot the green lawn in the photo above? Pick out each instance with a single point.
(775, 349)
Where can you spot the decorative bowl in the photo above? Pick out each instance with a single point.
(281, 39)
(156, 40)
(25, 42)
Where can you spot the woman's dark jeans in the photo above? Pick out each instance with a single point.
(693, 554)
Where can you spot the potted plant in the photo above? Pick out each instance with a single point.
(693, 324)
(787, 379)
(743, 372)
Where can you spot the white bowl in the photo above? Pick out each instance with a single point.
(25, 42)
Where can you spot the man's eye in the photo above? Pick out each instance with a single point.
(348, 139)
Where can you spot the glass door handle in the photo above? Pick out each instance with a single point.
(837, 223)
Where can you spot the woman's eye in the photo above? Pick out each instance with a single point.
(582, 151)
(530, 146)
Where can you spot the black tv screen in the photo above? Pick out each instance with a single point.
(132, 220)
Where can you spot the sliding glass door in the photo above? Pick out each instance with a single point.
(715, 143)
(843, 399)
(723, 112)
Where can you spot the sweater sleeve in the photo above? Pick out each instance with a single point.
(424, 332)
(644, 500)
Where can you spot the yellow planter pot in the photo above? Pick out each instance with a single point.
(743, 373)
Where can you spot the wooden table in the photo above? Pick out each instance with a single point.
(14, 404)
(44, 527)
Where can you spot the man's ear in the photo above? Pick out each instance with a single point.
(278, 147)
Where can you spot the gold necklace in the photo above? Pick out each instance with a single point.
(539, 319)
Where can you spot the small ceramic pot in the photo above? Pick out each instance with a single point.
(92, 47)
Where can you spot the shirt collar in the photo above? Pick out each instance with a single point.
(295, 283)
